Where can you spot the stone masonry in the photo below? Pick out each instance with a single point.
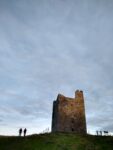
(69, 114)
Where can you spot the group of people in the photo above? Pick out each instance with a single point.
(100, 132)
(24, 131)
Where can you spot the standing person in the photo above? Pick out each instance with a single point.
(97, 133)
(20, 131)
(101, 133)
(25, 130)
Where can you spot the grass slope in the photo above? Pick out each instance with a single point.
(57, 141)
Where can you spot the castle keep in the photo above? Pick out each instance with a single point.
(69, 114)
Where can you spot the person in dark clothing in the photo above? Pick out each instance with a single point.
(25, 130)
(97, 133)
(101, 133)
(20, 131)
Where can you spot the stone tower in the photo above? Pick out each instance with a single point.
(69, 114)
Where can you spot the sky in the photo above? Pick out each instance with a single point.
(55, 46)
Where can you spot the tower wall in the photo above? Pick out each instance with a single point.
(69, 114)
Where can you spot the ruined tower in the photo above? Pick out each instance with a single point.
(69, 114)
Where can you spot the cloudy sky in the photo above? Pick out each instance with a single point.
(55, 46)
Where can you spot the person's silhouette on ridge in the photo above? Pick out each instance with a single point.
(25, 130)
(20, 131)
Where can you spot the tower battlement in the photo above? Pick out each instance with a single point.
(79, 94)
(69, 114)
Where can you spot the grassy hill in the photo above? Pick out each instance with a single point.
(57, 141)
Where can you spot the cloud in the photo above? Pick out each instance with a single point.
(55, 47)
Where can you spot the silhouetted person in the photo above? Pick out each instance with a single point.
(25, 130)
(97, 133)
(101, 133)
(20, 131)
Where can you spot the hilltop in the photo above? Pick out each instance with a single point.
(57, 141)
